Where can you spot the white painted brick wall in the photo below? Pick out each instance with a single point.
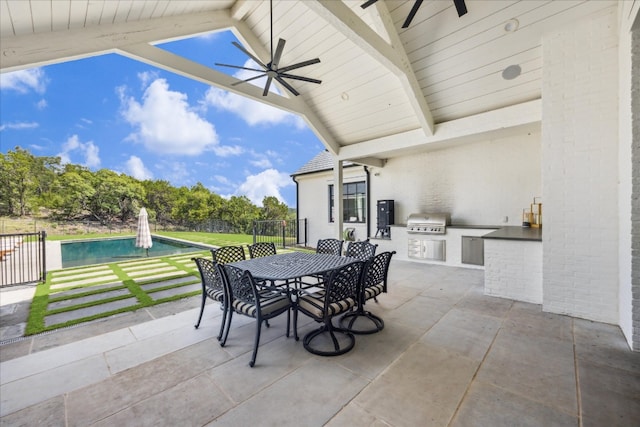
(478, 183)
(580, 169)
(634, 140)
(513, 269)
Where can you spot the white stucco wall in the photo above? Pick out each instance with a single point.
(313, 203)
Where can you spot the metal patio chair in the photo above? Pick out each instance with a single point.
(362, 250)
(227, 254)
(212, 288)
(247, 299)
(325, 246)
(262, 249)
(339, 295)
(372, 284)
(329, 246)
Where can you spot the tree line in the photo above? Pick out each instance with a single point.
(43, 186)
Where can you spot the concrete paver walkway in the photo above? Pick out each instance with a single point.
(448, 356)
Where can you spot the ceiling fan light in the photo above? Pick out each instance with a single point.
(511, 25)
(511, 72)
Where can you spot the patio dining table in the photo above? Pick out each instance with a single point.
(292, 265)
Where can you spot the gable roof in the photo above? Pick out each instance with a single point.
(322, 162)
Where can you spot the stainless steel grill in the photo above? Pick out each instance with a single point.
(428, 223)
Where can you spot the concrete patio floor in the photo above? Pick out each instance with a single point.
(448, 356)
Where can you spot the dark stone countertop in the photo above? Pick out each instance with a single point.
(479, 227)
(516, 233)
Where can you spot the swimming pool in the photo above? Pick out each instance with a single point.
(100, 251)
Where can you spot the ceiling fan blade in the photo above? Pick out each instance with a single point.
(414, 9)
(299, 65)
(304, 79)
(249, 54)
(266, 87)
(287, 85)
(368, 3)
(461, 8)
(239, 67)
(249, 79)
(276, 57)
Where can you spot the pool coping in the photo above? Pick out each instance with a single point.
(54, 249)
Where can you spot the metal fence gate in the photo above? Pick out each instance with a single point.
(282, 233)
(22, 258)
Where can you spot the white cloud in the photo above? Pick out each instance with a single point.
(261, 163)
(88, 150)
(252, 112)
(135, 167)
(24, 81)
(42, 104)
(266, 183)
(222, 179)
(166, 123)
(175, 172)
(19, 126)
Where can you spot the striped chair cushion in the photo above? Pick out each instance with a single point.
(215, 294)
(373, 291)
(314, 305)
(268, 306)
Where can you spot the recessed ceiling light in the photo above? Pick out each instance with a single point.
(511, 72)
(511, 25)
(344, 96)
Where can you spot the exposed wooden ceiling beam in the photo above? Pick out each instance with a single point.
(373, 162)
(32, 50)
(391, 56)
(168, 61)
(478, 127)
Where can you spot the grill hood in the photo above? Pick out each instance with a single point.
(428, 223)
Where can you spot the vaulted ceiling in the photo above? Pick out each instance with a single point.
(385, 90)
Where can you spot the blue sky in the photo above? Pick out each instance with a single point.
(116, 113)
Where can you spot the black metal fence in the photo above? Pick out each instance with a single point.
(282, 233)
(212, 226)
(22, 258)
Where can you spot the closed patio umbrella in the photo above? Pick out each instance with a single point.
(143, 236)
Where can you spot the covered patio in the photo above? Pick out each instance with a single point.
(448, 356)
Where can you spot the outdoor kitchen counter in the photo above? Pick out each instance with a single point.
(516, 233)
(513, 263)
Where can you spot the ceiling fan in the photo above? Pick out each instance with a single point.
(271, 70)
(461, 8)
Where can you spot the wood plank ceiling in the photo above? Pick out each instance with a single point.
(378, 79)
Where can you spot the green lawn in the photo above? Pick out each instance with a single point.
(214, 239)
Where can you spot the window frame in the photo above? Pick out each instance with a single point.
(354, 202)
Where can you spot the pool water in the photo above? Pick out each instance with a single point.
(102, 251)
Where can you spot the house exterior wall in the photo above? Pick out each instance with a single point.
(313, 204)
(630, 176)
(478, 184)
(580, 169)
(629, 154)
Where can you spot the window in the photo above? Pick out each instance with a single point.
(354, 202)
